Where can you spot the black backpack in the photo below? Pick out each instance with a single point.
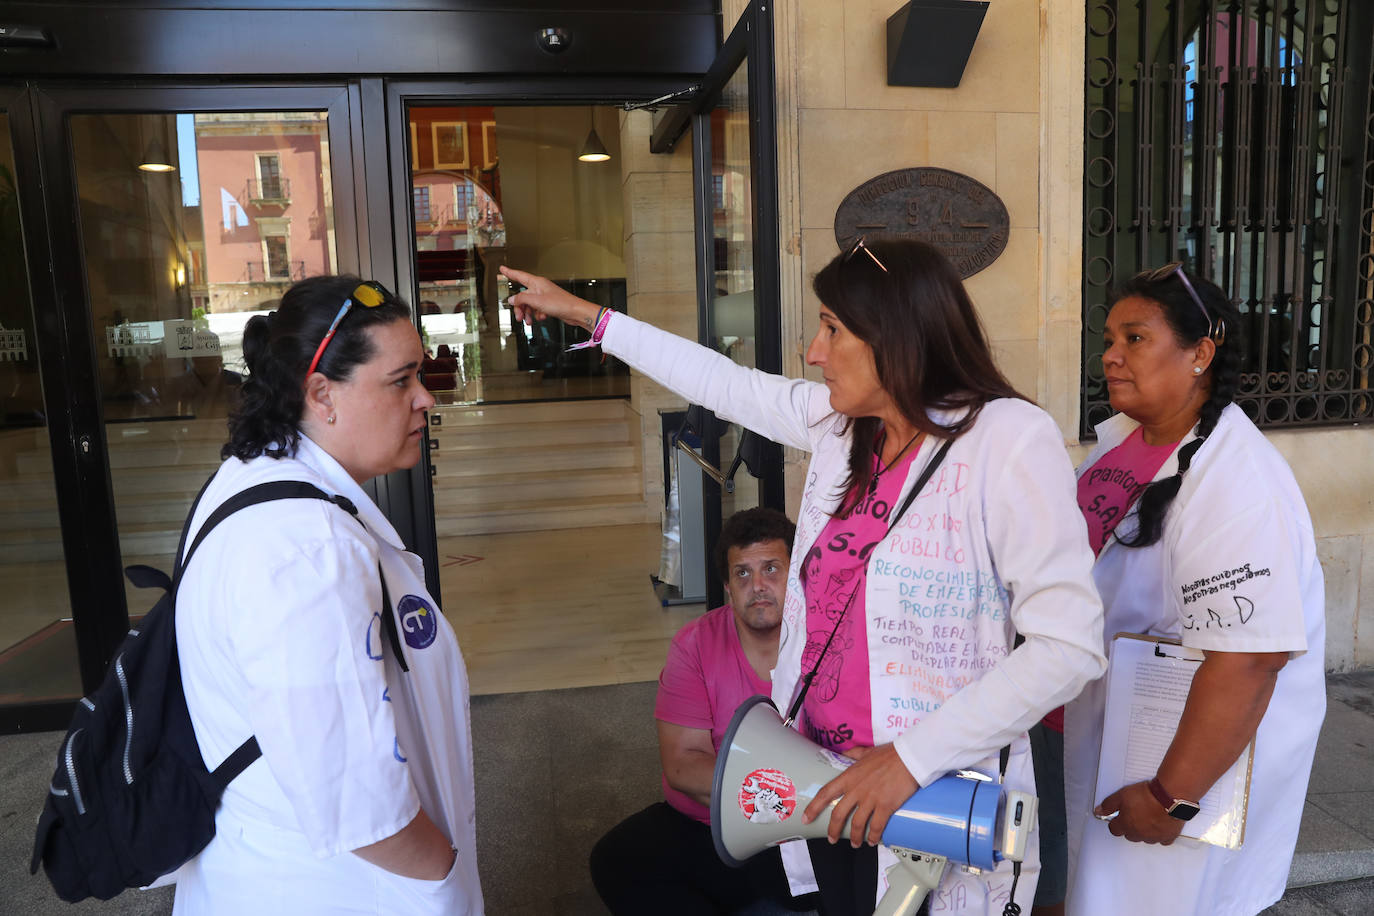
(131, 799)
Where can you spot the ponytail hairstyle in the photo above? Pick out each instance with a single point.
(905, 300)
(1172, 294)
(277, 349)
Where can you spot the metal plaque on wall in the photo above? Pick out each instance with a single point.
(958, 215)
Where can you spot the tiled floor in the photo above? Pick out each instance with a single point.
(557, 768)
(1337, 838)
(551, 609)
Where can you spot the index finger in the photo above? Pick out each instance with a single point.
(828, 793)
(522, 277)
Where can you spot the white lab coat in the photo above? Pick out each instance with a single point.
(1236, 570)
(995, 545)
(279, 631)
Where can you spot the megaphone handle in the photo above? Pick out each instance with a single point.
(909, 881)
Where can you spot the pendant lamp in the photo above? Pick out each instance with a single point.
(593, 150)
(155, 159)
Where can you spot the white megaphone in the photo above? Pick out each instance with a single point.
(767, 773)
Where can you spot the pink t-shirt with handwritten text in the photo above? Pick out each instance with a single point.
(837, 712)
(1107, 490)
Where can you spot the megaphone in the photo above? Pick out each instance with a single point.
(766, 774)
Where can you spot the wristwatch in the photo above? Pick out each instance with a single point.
(1176, 807)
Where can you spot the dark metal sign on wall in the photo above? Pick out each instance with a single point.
(957, 214)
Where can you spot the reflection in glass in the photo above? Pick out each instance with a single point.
(37, 645)
(493, 186)
(546, 540)
(176, 263)
(732, 307)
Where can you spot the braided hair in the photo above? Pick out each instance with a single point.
(1223, 377)
(277, 349)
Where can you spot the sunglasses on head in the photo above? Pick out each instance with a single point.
(1215, 330)
(860, 246)
(369, 295)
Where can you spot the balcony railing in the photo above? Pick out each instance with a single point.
(268, 191)
(256, 272)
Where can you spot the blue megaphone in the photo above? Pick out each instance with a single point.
(766, 774)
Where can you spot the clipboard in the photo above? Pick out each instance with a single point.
(1148, 678)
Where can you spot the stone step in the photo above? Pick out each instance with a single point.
(34, 492)
(530, 412)
(518, 465)
(130, 455)
(40, 545)
(209, 430)
(508, 467)
(199, 429)
(480, 494)
(528, 435)
(483, 505)
(580, 513)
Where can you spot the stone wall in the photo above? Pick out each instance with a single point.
(1014, 123)
(660, 271)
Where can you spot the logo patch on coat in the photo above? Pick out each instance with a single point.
(419, 621)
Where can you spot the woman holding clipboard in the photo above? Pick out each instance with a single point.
(1203, 536)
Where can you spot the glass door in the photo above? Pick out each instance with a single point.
(178, 214)
(735, 176)
(497, 184)
(38, 656)
(538, 448)
(190, 223)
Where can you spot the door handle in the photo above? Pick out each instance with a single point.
(706, 466)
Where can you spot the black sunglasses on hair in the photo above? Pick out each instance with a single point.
(1215, 330)
(860, 246)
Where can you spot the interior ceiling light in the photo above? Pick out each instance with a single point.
(593, 150)
(155, 159)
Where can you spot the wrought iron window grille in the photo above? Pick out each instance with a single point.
(268, 190)
(1237, 136)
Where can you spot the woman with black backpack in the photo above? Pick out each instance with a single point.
(362, 800)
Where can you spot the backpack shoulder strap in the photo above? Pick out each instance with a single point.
(389, 622)
(248, 751)
(186, 529)
(261, 493)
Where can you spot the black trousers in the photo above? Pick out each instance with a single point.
(660, 862)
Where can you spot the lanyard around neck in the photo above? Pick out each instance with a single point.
(915, 491)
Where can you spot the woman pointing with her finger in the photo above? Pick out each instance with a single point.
(902, 623)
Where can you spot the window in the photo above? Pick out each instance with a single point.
(195, 262)
(463, 199)
(1234, 138)
(421, 200)
(270, 185)
(278, 267)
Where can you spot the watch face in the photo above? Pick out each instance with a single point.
(1184, 811)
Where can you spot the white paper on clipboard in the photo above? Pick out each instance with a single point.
(1147, 685)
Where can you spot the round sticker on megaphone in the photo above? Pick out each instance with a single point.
(767, 797)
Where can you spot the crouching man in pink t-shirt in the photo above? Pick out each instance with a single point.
(662, 861)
